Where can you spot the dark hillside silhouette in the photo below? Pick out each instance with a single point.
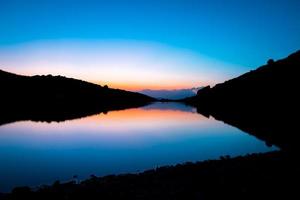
(262, 102)
(56, 98)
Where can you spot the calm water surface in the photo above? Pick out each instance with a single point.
(132, 140)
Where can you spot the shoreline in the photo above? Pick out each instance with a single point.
(266, 174)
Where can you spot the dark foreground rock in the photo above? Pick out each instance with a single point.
(259, 176)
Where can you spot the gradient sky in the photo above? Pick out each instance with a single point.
(135, 44)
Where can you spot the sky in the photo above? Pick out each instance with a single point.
(139, 44)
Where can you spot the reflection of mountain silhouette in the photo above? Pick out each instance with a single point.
(56, 98)
(259, 102)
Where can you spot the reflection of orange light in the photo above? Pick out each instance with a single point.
(136, 118)
(123, 122)
(139, 114)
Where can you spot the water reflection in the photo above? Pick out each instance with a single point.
(34, 153)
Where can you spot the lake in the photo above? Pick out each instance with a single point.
(131, 140)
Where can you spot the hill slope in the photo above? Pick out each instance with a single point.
(260, 102)
(57, 98)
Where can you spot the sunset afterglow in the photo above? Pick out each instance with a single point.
(128, 65)
(137, 45)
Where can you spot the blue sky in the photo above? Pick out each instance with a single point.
(243, 34)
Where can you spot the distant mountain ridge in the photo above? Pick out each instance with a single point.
(171, 94)
(57, 98)
(261, 102)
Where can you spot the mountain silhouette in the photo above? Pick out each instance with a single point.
(56, 98)
(171, 94)
(262, 102)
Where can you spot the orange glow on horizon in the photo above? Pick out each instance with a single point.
(128, 65)
(143, 86)
(130, 85)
